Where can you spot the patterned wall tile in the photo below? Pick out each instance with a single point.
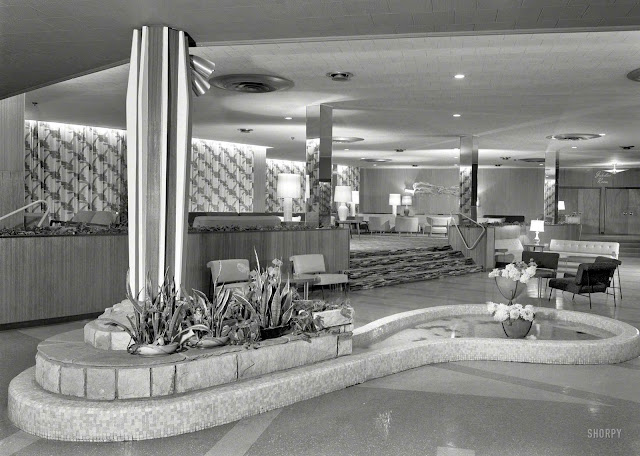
(275, 167)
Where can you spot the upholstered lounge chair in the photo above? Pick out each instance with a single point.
(590, 278)
(313, 264)
(547, 265)
(233, 274)
(604, 259)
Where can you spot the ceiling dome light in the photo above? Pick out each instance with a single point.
(459, 76)
(346, 139)
(574, 136)
(634, 75)
(574, 147)
(456, 115)
(376, 160)
(288, 118)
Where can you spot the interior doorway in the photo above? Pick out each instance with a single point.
(621, 213)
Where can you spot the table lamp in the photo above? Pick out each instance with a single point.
(355, 199)
(342, 194)
(407, 201)
(538, 227)
(561, 206)
(288, 188)
(394, 202)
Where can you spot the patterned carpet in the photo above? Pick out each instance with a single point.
(368, 242)
(379, 268)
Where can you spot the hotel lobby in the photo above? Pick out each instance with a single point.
(411, 148)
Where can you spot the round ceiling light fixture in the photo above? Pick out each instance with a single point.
(245, 130)
(346, 139)
(574, 136)
(634, 75)
(459, 76)
(457, 115)
(376, 160)
(251, 83)
(340, 76)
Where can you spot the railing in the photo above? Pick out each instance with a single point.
(464, 241)
(27, 206)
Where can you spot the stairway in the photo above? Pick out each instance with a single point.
(371, 269)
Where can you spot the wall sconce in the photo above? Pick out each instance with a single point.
(201, 71)
(355, 199)
(342, 194)
(288, 188)
(394, 202)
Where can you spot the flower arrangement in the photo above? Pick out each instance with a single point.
(505, 312)
(518, 271)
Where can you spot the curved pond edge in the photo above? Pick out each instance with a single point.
(54, 416)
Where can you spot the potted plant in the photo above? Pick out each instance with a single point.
(516, 320)
(158, 325)
(511, 281)
(272, 301)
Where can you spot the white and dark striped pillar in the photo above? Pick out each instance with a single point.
(469, 176)
(158, 154)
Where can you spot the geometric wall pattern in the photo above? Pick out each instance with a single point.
(221, 177)
(75, 168)
(275, 167)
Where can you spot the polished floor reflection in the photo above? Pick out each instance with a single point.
(462, 408)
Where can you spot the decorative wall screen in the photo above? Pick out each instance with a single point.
(75, 168)
(275, 167)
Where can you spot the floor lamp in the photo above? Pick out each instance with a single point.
(342, 194)
(288, 188)
(394, 202)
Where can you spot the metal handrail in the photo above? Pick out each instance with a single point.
(27, 206)
(464, 241)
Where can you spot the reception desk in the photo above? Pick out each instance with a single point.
(484, 252)
(49, 278)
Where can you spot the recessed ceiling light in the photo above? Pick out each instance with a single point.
(602, 134)
(288, 118)
(245, 130)
(346, 139)
(574, 147)
(540, 164)
(456, 115)
(459, 76)
(346, 149)
(340, 76)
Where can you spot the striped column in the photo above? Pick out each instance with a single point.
(158, 154)
(469, 176)
(551, 171)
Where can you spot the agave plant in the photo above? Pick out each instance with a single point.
(272, 301)
(158, 319)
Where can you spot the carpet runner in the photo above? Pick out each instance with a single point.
(371, 269)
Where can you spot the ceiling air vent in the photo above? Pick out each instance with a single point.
(574, 136)
(346, 139)
(251, 83)
(340, 76)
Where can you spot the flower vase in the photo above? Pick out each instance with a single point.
(516, 329)
(510, 289)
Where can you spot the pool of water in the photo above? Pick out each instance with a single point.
(475, 326)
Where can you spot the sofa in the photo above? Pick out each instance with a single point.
(508, 218)
(582, 251)
(407, 225)
(591, 249)
(210, 221)
(379, 224)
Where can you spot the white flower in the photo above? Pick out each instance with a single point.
(491, 307)
(529, 307)
(514, 314)
(494, 273)
(501, 315)
(527, 314)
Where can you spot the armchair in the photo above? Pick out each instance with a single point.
(233, 274)
(547, 265)
(590, 278)
(313, 264)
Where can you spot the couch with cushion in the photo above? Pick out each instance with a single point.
(104, 218)
(508, 218)
(437, 224)
(407, 224)
(572, 253)
(211, 221)
(379, 224)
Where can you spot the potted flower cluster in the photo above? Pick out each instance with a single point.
(511, 281)
(516, 319)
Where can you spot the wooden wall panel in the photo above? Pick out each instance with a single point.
(332, 243)
(62, 276)
(511, 192)
(11, 158)
(470, 234)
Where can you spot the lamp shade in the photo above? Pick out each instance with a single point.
(355, 197)
(288, 186)
(407, 200)
(537, 226)
(342, 194)
(394, 199)
(561, 205)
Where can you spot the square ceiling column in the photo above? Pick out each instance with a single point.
(318, 158)
(469, 176)
(551, 171)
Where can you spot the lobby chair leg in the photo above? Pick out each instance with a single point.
(619, 283)
(589, 300)
(550, 292)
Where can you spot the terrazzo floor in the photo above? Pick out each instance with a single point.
(448, 409)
